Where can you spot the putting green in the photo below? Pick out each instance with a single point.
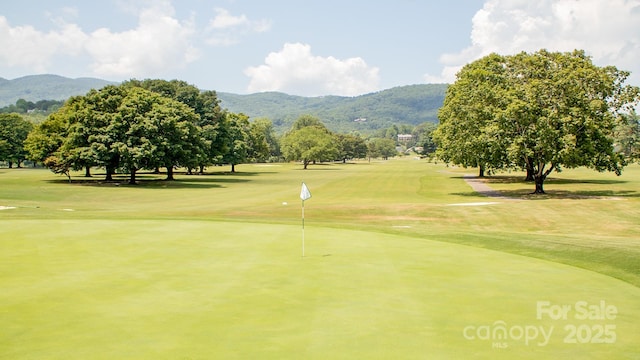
(177, 289)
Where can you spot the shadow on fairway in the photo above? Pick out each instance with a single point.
(526, 194)
(227, 173)
(315, 168)
(504, 179)
(158, 181)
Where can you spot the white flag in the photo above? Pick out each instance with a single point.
(304, 193)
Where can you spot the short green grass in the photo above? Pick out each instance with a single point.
(210, 266)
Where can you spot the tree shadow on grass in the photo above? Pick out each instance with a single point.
(150, 180)
(526, 192)
(225, 173)
(511, 179)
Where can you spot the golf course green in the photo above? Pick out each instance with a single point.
(403, 260)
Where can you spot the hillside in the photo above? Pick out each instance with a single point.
(45, 87)
(413, 104)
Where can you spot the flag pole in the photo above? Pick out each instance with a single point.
(305, 194)
(302, 228)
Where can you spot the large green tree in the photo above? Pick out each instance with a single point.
(238, 144)
(213, 123)
(351, 147)
(628, 136)
(542, 112)
(379, 147)
(46, 138)
(466, 135)
(158, 132)
(118, 127)
(265, 145)
(13, 132)
(309, 141)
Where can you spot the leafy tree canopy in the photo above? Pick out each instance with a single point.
(13, 132)
(541, 112)
(309, 141)
(117, 127)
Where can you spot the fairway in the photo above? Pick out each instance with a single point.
(210, 266)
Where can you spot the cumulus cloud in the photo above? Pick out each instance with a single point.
(608, 30)
(294, 69)
(158, 42)
(226, 29)
(27, 47)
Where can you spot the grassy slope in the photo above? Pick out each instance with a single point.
(131, 272)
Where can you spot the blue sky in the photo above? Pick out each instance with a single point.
(309, 48)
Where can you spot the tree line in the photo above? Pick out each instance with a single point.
(145, 125)
(152, 124)
(23, 106)
(539, 112)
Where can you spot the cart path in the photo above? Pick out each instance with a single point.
(480, 186)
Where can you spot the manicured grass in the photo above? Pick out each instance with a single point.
(210, 266)
(196, 289)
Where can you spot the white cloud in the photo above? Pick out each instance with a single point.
(294, 69)
(224, 19)
(226, 29)
(159, 42)
(608, 30)
(24, 46)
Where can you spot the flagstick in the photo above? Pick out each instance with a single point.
(304, 195)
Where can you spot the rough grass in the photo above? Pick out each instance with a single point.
(210, 266)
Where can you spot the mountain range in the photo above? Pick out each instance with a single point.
(411, 104)
(45, 87)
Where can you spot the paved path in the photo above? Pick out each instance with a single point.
(479, 186)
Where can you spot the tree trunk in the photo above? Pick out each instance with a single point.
(481, 172)
(539, 180)
(529, 167)
(233, 167)
(170, 173)
(10, 164)
(530, 176)
(201, 169)
(305, 163)
(132, 179)
(109, 176)
(87, 171)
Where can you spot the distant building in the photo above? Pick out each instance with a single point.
(404, 137)
(360, 120)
